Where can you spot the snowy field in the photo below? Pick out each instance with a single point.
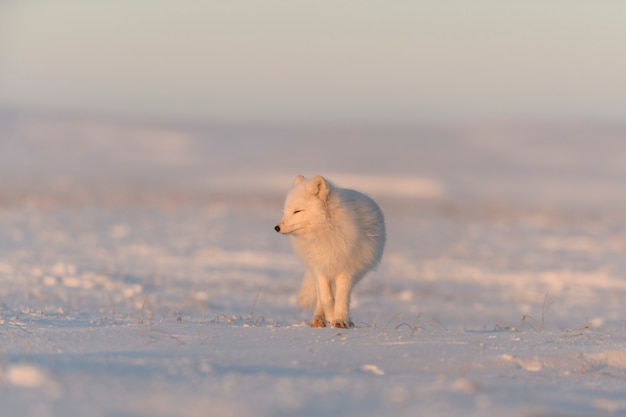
(140, 274)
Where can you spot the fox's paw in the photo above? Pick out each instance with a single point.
(318, 322)
(342, 324)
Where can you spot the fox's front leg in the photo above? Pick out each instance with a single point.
(343, 288)
(324, 308)
(318, 315)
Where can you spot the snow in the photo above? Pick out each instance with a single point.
(133, 282)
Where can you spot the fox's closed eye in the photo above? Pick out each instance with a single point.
(297, 211)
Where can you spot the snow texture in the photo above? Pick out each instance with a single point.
(140, 274)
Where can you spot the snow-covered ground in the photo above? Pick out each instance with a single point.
(140, 274)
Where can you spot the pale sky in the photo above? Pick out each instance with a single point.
(317, 61)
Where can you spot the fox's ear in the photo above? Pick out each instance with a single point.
(319, 186)
(299, 179)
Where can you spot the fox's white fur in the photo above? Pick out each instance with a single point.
(339, 234)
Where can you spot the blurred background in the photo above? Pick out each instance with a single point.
(194, 89)
(350, 61)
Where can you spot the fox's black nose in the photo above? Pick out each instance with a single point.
(277, 228)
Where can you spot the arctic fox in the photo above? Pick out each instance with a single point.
(339, 234)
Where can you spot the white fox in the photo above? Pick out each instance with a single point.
(339, 234)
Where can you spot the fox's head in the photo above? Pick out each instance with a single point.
(305, 206)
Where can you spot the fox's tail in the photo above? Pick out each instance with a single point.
(307, 297)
